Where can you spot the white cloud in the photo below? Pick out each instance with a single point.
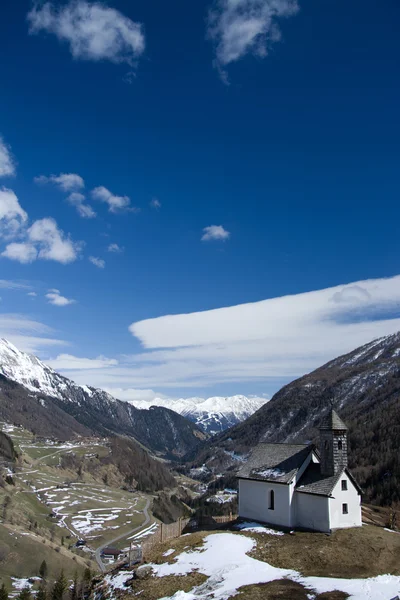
(7, 164)
(215, 232)
(12, 216)
(97, 262)
(133, 394)
(277, 338)
(54, 297)
(115, 248)
(32, 294)
(22, 252)
(116, 204)
(238, 27)
(67, 182)
(52, 243)
(68, 362)
(92, 30)
(268, 342)
(27, 334)
(9, 284)
(155, 203)
(42, 240)
(84, 210)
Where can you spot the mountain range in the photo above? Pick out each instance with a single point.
(214, 414)
(35, 396)
(364, 388)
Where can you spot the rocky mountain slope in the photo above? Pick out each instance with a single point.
(213, 415)
(364, 387)
(34, 395)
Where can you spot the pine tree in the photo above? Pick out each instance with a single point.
(59, 588)
(25, 594)
(43, 570)
(74, 588)
(86, 580)
(3, 593)
(42, 592)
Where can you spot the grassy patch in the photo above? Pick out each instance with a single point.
(160, 587)
(345, 553)
(284, 589)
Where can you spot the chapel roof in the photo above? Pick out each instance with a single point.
(277, 463)
(313, 482)
(332, 421)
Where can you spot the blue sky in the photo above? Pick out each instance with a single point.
(275, 123)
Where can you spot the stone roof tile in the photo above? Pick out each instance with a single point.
(275, 462)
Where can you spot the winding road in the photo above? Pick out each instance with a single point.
(97, 555)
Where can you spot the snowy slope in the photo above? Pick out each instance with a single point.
(33, 374)
(214, 414)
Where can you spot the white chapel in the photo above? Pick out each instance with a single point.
(294, 486)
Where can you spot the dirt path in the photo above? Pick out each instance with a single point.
(147, 520)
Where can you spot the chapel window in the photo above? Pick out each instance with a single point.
(271, 500)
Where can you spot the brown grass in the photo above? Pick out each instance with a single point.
(160, 587)
(284, 589)
(345, 553)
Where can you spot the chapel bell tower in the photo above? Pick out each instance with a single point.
(333, 444)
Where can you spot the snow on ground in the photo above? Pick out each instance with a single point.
(145, 532)
(222, 497)
(169, 552)
(224, 560)
(87, 522)
(117, 582)
(391, 530)
(19, 583)
(257, 528)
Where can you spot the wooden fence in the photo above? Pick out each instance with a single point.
(175, 530)
(164, 533)
(140, 549)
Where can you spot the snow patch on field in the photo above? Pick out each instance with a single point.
(224, 560)
(117, 582)
(257, 528)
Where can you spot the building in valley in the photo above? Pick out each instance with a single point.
(295, 486)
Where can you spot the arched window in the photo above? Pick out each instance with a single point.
(340, 445)
(271, 500)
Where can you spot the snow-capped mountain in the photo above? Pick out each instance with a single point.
(33, 374)
(160, 429)
(214, 414)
